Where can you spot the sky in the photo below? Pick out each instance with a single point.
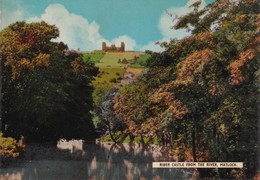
(85, 24)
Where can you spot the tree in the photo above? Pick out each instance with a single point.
(204, 88)
(46, 88)
(133, 105)
(109, 119)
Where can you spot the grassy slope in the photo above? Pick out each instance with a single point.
(111, 72)
(95, 56)
(106, 75)
(111, 59)
(137, 71)
(140, 61)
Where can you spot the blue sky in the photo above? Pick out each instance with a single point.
(85, 24)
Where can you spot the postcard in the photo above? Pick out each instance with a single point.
(116, 89)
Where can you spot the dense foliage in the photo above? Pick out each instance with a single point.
(9, 147)
(46, 89)
(204, 89)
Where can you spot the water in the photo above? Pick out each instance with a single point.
(77, 160)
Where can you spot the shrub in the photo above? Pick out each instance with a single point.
(113, 80)
(106, 138)
(137, 139)
(156, 140)
(124, 61)
(127, 139)
(9, 147)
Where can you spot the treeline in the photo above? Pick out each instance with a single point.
(46, 88)
(204, 89)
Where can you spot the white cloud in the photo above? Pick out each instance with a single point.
(76, 31)
(202, 5)
(167, 21)
(10, 12)
(152, 46)
(130, 43)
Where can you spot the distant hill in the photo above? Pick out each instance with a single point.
(113, 65)
(117, 59)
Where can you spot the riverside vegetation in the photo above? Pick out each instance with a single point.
(203, 89)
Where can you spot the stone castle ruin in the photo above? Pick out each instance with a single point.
(113, 47)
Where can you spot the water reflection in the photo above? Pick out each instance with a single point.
(72, 145)
(11, 176)
(79, 160)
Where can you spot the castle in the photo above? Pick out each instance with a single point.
(113, 47)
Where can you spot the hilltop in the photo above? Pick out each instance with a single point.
(113, 65)
(107, 59)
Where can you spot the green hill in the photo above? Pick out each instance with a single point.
(94, 56)
(111, 59)
(112, 65)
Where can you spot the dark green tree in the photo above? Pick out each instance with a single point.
(46, 88)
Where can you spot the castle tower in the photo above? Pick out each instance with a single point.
(122, 47)
(104, 46)
(113, 47)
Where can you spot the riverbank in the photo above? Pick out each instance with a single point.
(159, 153)
(93, 161)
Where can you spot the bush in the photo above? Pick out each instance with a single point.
(9, 147)
(137, 139)
(124, 61)
(113, 80)
(156, 140)
(98, 94)
(127, 139)
(106, 138)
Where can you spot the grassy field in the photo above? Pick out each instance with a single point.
(112, 72)
(108, 77)
(139, 63)
(137, 71)
(94, 56)
(111, 59)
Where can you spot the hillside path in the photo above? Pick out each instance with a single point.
(128, 78)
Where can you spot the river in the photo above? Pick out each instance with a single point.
(78, 160)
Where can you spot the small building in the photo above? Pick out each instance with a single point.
(113, 47)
